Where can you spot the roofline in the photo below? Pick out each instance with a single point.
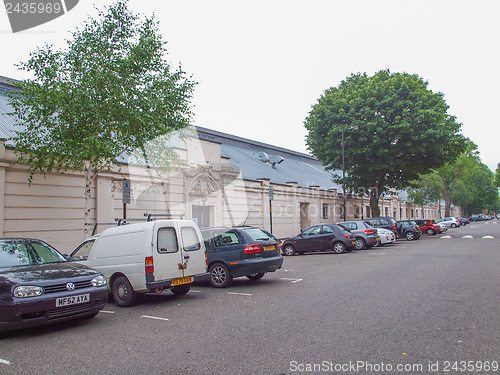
(231, 137)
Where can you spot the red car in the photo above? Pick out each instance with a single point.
(428, 226)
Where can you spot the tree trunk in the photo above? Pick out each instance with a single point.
(89, 178)
(374, 196)
(448, 192)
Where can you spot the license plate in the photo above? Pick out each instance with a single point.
(182, 280)
(377, 238)
(73, 300)
(353, 242)
(269, 247)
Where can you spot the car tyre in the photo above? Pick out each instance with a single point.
(180, 290)
(410, 236)
(360, 244)
(220, 276)
(339, 248)
(289, 250)
(256, 276)
(453, 225)
(430, 232)
(122, 292)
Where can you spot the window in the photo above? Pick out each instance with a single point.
(226, 239)
(367, 211)
(167, 241)
(313, 231)
(83, 251)
(327, 229)
(356, 212)
(326, 209)
(190, 239)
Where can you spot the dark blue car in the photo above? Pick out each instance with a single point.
(240, 251)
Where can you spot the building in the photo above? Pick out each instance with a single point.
(218, 179)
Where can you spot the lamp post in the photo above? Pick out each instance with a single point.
(343, 167)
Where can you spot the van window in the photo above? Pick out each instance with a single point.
(167, 241)
(190, 239)
(82, 253)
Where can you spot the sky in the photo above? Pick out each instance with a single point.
(261, 65)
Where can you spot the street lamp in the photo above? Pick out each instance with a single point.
(343, 166)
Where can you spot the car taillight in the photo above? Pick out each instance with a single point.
(369, 231)
(250, 249)
(347, 236)
(393, 227)
(206, 259)
(149, 265)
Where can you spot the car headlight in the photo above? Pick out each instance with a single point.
(25, 291)
(99, 281)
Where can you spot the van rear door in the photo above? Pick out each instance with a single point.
(168, 257)
(193, 249)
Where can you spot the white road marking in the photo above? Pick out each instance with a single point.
(194, 291)
(488, 237)
(240, 294)
(291, 270)
(446, 237)
(467, 236)
(107, 312)
(153, 317)
(292, 280)
(4, 362)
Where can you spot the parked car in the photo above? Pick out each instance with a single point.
(452, 222)
(320, 238)
(384, 222)
(146, 257)
(463, 220)
(476, 218)
(442, 227)
(386, 236)
(365, 234)
(240, 251)
(428, 226)
(38, 286)
(408, 229)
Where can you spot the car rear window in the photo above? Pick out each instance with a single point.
(23, 253)
(257, 234)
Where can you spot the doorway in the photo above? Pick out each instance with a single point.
(201, 214)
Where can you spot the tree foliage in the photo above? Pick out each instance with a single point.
(404, 130)
(427, 190)
(110, 91)
(477, 191)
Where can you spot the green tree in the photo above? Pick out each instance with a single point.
(404, 130)
(460, 168)
(426, 190)
(109, 92)
(477, 191)
(497, 176)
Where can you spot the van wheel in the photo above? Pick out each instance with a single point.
(220, 277)
(123, 293)
(180, 290)
(256, 276)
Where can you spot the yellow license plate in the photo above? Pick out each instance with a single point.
(269, 247)
(182, 280)
(353, 242)
(377, 238)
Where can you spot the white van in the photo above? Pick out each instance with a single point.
(146, 257)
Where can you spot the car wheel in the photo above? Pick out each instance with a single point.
(122, 292)
(360, 244)
(430, 232)
(220, 277)
(410, 236)
(289, 250)
(453, 225)
(256, 276)
(180, 290)
(339, 248)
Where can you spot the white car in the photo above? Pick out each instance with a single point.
(386, 236)
(451, 221)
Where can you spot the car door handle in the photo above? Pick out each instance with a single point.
(186, 256)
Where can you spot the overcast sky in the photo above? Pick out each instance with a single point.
(261, 65)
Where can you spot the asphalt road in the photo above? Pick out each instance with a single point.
(420, 307)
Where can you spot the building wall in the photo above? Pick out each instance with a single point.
(51, 208)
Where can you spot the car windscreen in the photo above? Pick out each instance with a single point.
(20, 253)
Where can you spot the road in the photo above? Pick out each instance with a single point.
(417, 307)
